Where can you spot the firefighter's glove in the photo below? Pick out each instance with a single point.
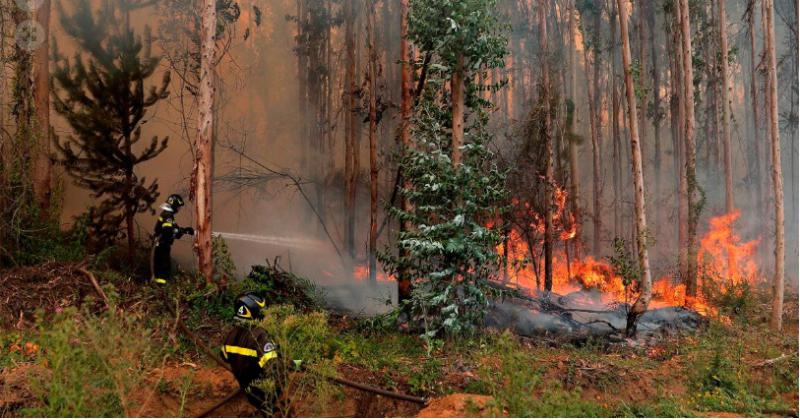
(188, 231)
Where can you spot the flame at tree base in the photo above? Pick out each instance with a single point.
(723, 259)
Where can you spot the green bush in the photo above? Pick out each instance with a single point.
(91, 365)
(306, 337)
(281, 287)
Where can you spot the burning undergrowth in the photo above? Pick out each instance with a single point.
(591, 296)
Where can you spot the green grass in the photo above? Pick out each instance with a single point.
(710, 370)
(91, 365)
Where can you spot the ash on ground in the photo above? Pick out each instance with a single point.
(582, 315)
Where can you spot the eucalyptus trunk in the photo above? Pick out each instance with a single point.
(645, 282)
(693, 209)
(203, 145)
(373, 143)
(776, 318)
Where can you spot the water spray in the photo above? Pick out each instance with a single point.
(271, 240)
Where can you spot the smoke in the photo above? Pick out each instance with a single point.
(582, 318)
(259, 111)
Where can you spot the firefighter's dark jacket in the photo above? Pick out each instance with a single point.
(250, 353)
(166, 230)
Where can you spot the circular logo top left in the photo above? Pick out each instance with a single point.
(29, 35)
(29, 5)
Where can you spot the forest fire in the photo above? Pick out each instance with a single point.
(361, 273)
(723, 255)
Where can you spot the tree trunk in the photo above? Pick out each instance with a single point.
(404, 282)
(457, 91)
(691, 179)
(755, 168)
(595, 156)
(43, 169)
(573, 148)
(651, 23)
(640, 17)
(203, 144)
(776, 319)
(726, 132)
(677, 123)
(351, 151)
(615, 134)
(645, 283)
(548, 147)
(373, 143)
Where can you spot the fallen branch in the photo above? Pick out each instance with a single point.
(99, 290)
(600, 321)
(770, 362)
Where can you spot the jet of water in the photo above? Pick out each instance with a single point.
(271, 240)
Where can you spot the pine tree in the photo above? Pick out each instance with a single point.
(101, 94)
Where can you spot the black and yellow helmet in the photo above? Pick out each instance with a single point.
(175, 202)
(249, 306)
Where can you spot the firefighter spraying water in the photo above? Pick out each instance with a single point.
(165, 233)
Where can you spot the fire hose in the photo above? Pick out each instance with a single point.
(334, 379)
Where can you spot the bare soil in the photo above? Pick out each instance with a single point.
(458, 405)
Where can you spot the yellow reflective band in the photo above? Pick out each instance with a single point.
(240, 350)
(161, 281)
(261, 303)
(267, 357)
(167, 224)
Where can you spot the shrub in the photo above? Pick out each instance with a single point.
(92, 363)
(306, 337)
(282, 287)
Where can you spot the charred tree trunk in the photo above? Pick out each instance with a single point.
(548, 147)
(693, 209)
(645, 283)
(373, 143)
(43, 168)
(725, 105)
(404, 282)
(203, 145)
(776, 318)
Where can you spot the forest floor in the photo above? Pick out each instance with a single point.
(133, 361)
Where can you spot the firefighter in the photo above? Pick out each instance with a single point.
(166, 231)
(252, 355)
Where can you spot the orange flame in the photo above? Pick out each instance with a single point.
(722, 255)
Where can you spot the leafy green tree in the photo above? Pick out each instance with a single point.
(101, 93)
(451, 249)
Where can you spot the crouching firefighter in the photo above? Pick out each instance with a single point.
(166, 232)
(254, 357)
